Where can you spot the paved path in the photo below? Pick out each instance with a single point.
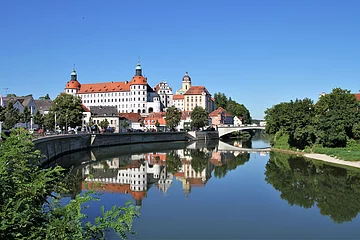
(326, 158)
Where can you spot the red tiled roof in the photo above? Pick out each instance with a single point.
(138, 80)
(219, 111)
(178, 97)
(108, 187)
(104, 87)
(85, 109)
(185, 115)
(197, 90)
(72, 84)
(138, 195)
(357, 95)
(133, 117)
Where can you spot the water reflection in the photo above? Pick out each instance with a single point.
(334, 190)
(135, 174)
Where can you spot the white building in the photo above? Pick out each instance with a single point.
(129, 96)
(165, 94)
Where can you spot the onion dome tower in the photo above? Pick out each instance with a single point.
(72, 86)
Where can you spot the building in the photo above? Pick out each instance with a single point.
(43, 106)
(150, 121)
(165, 94)
(188, 97)
(109, 113)
(178, 100)
(21, 103)
(221, 117)
(198, 96)
(238, 121)
(133, 120)
(128, 96)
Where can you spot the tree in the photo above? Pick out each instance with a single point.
(173, 162)
(336, 114)
(199, 160)
(220, 100)
(125, 124)
(157, 124)
(9, 116)
(38, 118)
(68, 110)
(39, 211)
(199, 117)
(46, 97)
(104, 123)
(25, 116)
(173, 117)
(334, 190)
(237, 109)
(10, 95)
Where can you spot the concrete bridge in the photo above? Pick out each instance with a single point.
(222, 146)
(227, 147)
(223, 130)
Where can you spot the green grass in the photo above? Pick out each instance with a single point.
(347, 154)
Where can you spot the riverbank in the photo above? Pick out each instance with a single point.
(321, 157)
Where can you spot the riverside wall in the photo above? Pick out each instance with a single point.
(55, 146)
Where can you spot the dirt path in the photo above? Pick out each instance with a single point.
(326, 158)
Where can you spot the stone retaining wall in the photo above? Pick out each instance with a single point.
(55, 146)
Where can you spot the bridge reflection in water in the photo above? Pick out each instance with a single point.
(134, 171)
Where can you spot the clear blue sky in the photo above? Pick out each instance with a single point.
(259, 52)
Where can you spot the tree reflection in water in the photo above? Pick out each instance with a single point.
(302, 182)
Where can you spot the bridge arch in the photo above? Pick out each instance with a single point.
(226, 130)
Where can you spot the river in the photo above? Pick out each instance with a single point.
(197, 190)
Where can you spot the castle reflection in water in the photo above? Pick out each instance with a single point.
(135, 173)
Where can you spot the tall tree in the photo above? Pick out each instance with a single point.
(25, 116)
(68, 110)
(104, 123)
(220, 100)
(199, 117)
(173, 117)
(38, 118)
(336, 114)
(9, 116)
(46, 97)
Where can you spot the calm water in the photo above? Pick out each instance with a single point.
(203, 191)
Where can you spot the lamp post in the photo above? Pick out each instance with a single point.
(55, 123)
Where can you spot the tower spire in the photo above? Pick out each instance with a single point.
(73, 74)
(138, 70)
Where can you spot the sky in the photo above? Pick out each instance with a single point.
(258, 52)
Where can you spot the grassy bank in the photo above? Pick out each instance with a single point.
(350, 153)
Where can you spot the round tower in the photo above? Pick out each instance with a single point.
(186, 82)
(72, 86)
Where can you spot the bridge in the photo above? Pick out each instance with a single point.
(223, 130)
(227, 147)
(222, 146)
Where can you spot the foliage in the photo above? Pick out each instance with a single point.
(220, 100)
(334, 190)
(46, 97)
(10, 95)
(157, 124)
(68, 109)
(173, 162)
(232, 107)
(350, 153)
(31, 205)
(281, 140)
(9, 115)
(199, 117)
(104, 123)
(336, 114)
(25, 116)
(125, 124)
(230, 164)
(173, 117)
(199, 160)
(356, 131)
(237, 109)
(39, 118)
(330, 122)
